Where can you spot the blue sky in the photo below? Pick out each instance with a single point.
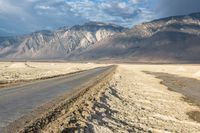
(25, 16)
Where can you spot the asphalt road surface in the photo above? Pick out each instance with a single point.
(18, 101)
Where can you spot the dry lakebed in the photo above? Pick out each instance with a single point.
(134, 98)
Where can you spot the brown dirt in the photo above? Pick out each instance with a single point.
(195, 115)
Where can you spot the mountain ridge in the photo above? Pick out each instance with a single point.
(57, 43)
(171, 39)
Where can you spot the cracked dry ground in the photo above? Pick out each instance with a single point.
(133, 102)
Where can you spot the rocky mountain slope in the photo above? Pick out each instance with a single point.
(55, 44)
(170, 39)
(165, 40)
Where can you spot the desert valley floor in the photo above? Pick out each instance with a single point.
(139, 98)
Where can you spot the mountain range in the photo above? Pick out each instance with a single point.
(56, 44)
(172, 39)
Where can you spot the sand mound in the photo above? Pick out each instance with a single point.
(181, 69)
(18, 65)
(197, 74)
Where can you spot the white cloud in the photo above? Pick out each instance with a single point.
(32, 15)
(119, 11)
(7, 8)
(122, 5)
(137, 1)
(43, 7)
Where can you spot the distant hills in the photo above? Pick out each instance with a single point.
(172, 39)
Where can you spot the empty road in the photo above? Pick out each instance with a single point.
(20, 100)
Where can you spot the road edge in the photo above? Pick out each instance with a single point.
(39, 119)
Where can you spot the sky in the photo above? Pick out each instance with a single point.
(24, 16)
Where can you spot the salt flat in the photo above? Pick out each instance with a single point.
(139, 98)
(16, 71)
(143, 104)
(137, 101)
